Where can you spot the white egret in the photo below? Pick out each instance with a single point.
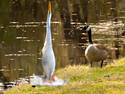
(48, 58)
(94, 52)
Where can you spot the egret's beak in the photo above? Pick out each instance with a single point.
(49, 7)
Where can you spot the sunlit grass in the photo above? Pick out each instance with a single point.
(83, 80)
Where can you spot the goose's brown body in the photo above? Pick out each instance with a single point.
(96, 52)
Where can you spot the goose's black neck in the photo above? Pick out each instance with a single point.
(90, 36)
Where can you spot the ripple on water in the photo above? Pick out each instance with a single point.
(9, 55)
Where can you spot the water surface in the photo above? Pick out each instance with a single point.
(23, 29)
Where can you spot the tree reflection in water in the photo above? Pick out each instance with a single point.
(22, 32)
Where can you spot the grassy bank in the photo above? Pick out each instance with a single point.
(83, 80)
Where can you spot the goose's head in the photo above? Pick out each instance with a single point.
(87, 29)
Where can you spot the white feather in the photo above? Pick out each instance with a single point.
(48, 58)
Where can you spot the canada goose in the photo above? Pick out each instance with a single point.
(48, 58)
(94, 52)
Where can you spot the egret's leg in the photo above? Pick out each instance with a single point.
(52, 78)
(101, 63)
(46, 79)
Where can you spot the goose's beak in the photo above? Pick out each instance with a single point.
(49, 7)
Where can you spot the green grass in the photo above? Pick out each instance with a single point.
(83, 80)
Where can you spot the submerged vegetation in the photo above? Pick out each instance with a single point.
(83, 80)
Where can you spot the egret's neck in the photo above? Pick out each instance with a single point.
(48, 39)
(90, 36)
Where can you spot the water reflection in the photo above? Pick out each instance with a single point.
(23, 28)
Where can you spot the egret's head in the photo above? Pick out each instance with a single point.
(86, 28)
(49, 12)
(49, 7)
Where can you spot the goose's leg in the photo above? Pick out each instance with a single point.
(91, 64)
(101, 63)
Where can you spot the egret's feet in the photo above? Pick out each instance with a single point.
(52, 78)
(47, 81)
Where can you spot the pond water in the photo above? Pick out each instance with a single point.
(23, 29)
